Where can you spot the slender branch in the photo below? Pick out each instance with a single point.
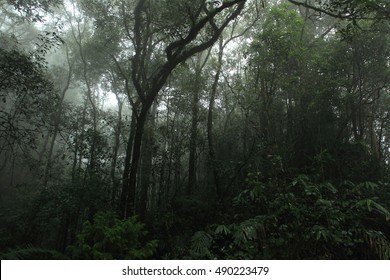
(124, 76)
(344, 13)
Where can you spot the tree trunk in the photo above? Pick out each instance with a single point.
(57, 123)
(212, 157)
(44, 148)
(193, 140)
(126, 171)
(118, 131)
(76, 170)
(146, 164)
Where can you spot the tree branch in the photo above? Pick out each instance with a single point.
(175, 48)
(348, 14)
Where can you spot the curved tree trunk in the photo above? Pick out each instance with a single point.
(148, 84)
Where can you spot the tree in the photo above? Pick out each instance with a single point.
(57, 119)
(24, 90)
(149, 79)
(33, 10)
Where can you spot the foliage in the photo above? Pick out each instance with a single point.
(34, 9)
(31, 253)
(305, 220)
(27, 100)
(349, 9)
(289, 150)
(108, 237)
(200, 243)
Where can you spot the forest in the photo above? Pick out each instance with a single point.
(195, 129)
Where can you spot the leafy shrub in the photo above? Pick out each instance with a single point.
(303, 220)
(109, 237)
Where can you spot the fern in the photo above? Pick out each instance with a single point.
(373, 206)
(222, 229)
(200, 243)
(109, 237)
(378, 244)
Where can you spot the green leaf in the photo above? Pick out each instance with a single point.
(201, 242)
(222, 229)
(369, 201)
(380, 209)
(330, 188)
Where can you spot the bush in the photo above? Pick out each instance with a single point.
(302, 220)
(109, 237)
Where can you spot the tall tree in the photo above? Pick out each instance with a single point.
(149, 79)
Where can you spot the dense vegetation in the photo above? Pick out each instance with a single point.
(182, 129)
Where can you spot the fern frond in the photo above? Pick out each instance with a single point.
(222, 229)
(200, 243)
